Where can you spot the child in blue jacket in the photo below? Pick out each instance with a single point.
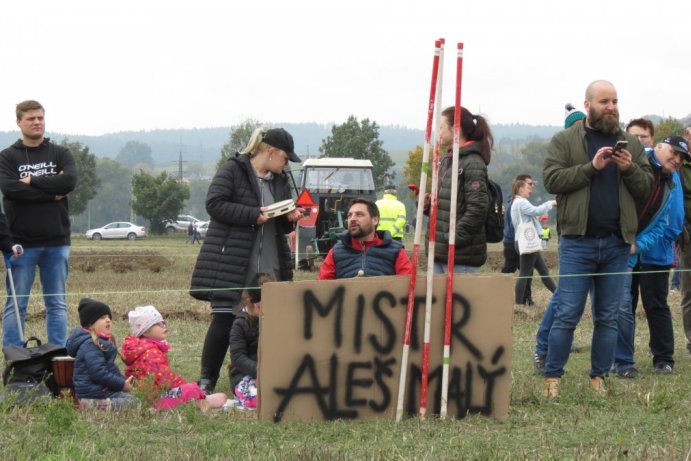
(97, 380)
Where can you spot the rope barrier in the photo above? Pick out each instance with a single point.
(188, 290)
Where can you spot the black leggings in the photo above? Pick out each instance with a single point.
(528, 262)
(216, 343)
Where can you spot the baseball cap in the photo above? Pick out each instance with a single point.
(281, 139)
(678, 144)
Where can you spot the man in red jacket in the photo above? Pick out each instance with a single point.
(362, 251)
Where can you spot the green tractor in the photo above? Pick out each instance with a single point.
(327, 185)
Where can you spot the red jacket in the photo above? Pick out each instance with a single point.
(328, 268)
(147, 358)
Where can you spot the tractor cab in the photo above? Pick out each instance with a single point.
(327, 185)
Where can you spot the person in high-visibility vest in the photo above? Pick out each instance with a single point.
(392, 216)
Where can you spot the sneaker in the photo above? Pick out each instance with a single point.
(663, 368)
(597, 385)
(629, 373)
(551, 390)
(539, 363)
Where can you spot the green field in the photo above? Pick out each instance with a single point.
(648, 418)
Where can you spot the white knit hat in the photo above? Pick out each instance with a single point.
(142, 318)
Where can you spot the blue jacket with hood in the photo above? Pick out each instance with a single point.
(655, 243)
(95, 374)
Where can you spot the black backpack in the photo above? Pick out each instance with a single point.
(29, 367)
(494, 224)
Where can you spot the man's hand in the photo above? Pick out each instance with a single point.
(605, 155)
(623, 159)
(59, 197)
(26, 179)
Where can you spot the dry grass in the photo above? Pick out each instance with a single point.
(646, 418)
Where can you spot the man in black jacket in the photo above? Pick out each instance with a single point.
(35, 178)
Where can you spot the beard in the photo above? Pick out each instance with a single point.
(605, 123)
(360, 231)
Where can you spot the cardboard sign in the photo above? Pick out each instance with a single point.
(332, 349)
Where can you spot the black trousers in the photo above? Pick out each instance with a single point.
(654, 288)
(512, 263)
(216, 344)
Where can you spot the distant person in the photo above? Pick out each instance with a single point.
(196, 236)
(685, 247)
(511, 257)
(363, 251)
(546, 231)
(35, 178)
(97, 380)
(522, 211)
(241, 241)
(660, 221)
(244, 345)
(596, 188)
(474, 155)
(573, 116)
(392, 214)
(190, 233)
(145, 352)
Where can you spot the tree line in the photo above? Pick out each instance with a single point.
(127, 187)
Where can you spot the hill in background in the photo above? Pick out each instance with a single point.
(204, 144)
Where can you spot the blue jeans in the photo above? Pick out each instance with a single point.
(440, 268)
(542, 336)
(585, 262)
(626, 329)
(53, 263)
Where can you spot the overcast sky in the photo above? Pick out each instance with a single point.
(102, 67)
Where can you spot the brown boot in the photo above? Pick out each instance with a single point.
(551, 390)
(597, 385)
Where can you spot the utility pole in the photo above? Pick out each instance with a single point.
(180, 171)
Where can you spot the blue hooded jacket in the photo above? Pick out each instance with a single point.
(655, 243)
(95, 374)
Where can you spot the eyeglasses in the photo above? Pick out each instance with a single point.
(162, 324)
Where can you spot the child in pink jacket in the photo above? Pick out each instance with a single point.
(145, 353)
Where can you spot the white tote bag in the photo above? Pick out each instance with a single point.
(528, 239)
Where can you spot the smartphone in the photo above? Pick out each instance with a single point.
(619, 146)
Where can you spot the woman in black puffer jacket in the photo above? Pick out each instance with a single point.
(474, 155)
(241, 241)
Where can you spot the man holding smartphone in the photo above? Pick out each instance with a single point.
(596, 189)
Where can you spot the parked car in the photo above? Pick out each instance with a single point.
(181, 223)
(202, 227)
(117, 230)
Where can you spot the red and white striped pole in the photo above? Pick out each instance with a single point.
(430, 248)
(452, 236)
(418, 231)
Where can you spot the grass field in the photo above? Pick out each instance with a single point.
(648, 418)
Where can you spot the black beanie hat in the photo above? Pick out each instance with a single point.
(91, 310)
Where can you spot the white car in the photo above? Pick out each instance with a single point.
(181, 223)
(117, 230)
(202, 227)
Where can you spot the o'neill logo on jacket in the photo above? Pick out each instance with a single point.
(38, 169)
